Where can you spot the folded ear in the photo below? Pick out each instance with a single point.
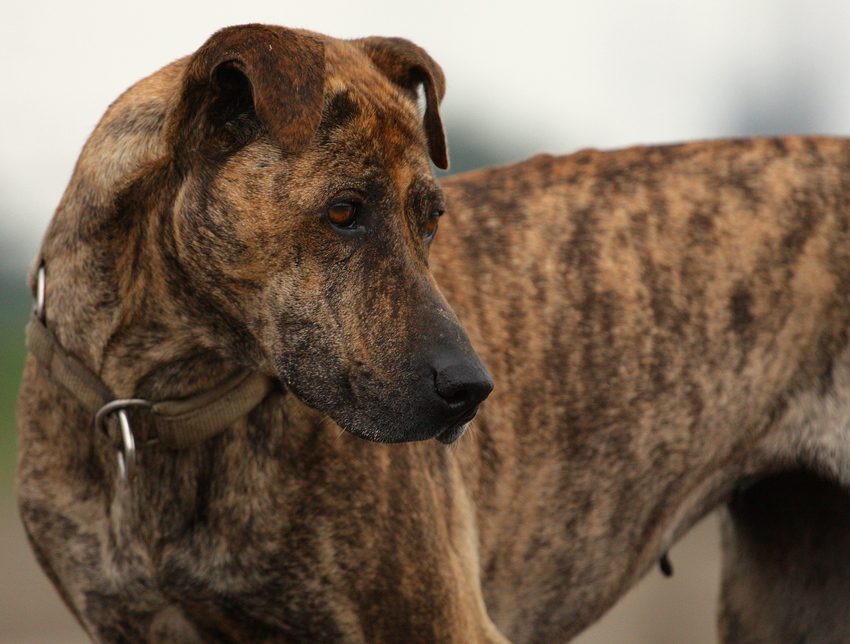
(409, 66)
(245, 78)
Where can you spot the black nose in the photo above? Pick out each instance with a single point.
(463, 386)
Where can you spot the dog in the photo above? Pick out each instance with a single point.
(666, 328)
(237, 269)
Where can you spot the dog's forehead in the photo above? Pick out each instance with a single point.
(369, 123)
(349, 70)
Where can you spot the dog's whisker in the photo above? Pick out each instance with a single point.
(327, 421)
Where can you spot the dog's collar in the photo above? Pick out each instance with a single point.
(177, 423)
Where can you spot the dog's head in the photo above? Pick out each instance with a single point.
(289, 196)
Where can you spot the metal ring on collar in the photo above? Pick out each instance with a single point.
(127, 450)
(39, 292)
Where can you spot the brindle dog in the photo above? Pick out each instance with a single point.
(264, 206)
(667, 327)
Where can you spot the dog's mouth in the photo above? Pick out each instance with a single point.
(457, 429)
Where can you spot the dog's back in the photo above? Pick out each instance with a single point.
(665, 325)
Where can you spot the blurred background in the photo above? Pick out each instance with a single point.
(523, 77)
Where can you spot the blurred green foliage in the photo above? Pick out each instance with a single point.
(15, 308)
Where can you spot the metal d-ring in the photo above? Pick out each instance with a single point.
(39, 292)
(127, 453)
(127, 449)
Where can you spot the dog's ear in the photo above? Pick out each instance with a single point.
(245, 78)
(409, 66)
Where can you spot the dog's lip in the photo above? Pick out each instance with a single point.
(457, 429)
(465, 418)
(451, 435)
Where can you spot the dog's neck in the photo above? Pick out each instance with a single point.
(101, 269)
(109, 303)
(86, 306)
(146, 353)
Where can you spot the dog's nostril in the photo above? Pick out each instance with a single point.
(463, 387)
(464, 393)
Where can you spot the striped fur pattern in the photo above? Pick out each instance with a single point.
(666, 327)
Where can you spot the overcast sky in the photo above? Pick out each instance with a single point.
(533, 76)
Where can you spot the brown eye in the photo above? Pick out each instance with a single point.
(342, 214)
(431, 224)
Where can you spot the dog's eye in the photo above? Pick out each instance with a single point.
(431, 224)
(343, 214)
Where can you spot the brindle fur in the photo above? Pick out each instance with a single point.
(667, 328)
